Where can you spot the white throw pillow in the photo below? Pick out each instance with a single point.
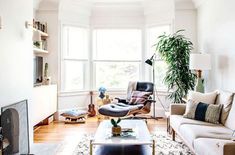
(225, 98)
(203, 97)
(230, 123)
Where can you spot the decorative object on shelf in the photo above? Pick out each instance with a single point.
(46, 79)
(151, 62)
(91, 107)
(46, 70)
(36, 44)
(174, 49)
(116, 129)
(39, 36)
(199, 62)
(106, 100)
(40, 26)
(102, 91)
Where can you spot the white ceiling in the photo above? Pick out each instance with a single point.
(37, 2)
(110, 1)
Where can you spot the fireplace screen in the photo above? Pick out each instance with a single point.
(15, 131)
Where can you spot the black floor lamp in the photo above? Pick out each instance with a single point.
(151, 62)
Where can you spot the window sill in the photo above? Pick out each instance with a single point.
(96, 92)
(87, 92)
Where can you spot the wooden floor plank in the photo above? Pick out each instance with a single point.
(68, 134)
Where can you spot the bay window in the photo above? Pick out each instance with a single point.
(160, 65)
(116, 57)
(74, 58)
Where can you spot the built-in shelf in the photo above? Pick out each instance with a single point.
(43, 34)
(40, 51)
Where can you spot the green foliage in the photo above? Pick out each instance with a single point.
(115, 123)
(37, 44)
(175, 49)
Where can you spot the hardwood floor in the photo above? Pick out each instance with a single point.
(68, 134)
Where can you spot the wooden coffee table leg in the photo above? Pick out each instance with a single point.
(153, 147)
(91, 147)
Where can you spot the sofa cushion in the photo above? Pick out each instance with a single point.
(118, 110)
(177, 120)
(203, 112)
(191, 132)
(203, 97)
(211, 146)
(225, 98)
(230, 123)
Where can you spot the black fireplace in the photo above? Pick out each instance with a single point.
(15, 128)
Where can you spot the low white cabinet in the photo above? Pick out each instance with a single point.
(44, 102)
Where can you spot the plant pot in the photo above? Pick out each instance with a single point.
(116, 131)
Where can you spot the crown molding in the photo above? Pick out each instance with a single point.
(198, 3)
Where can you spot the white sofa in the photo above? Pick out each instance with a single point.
(206, 138)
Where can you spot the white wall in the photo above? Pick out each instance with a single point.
(216, 31)
(16, 54)
(129, 14)
(117, 15)
(186, 19)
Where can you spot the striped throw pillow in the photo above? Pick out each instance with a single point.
(139, 97)
(203, 111)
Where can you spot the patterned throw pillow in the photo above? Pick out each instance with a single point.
(139, 97)
(203, 111)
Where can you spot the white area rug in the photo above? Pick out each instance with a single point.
(164, 146)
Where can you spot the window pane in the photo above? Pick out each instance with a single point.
(153, 34)
(75, 42)
(117, 44)
(74, 75)
(160, 73)
(116, 74)
(160, 66)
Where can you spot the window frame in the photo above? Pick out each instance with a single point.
(89, 83)
(162, 89)
(94, 61)
(63, 58)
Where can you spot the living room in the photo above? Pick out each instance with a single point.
(66, 62)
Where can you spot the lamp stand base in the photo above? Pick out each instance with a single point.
(199, 85)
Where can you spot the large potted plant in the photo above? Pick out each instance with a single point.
(175, 50)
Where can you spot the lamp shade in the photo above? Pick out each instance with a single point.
(200, 61)
(150, 61)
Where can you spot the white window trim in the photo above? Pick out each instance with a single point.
(145, 74)
(100, 60)
(170, 24)
(63, 58)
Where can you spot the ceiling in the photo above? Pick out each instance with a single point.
(110, 1)
(37, 2)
